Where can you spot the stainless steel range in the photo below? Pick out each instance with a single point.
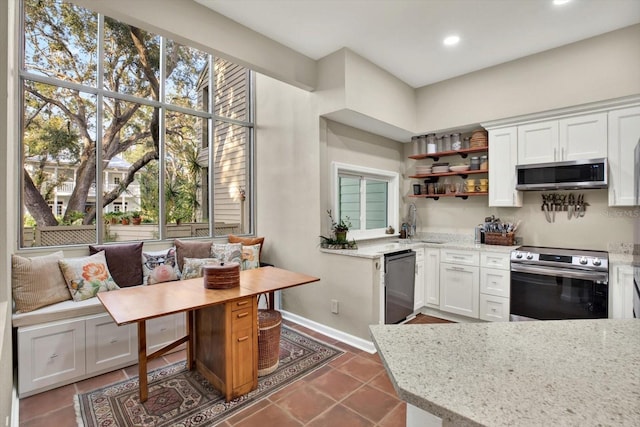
(555, 283)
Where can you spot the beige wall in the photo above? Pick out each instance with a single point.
(600, 68)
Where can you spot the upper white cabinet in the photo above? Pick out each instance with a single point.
(503, 145)
(624, 134)
(571, 138)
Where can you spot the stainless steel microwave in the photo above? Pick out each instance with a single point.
(574, 174)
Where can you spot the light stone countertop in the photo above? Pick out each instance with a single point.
(560, 373)
(377, 249)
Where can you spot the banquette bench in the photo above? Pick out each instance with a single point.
(63, 338)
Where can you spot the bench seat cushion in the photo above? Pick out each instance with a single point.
(59, 311)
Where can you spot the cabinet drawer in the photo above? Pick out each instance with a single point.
(459, 257)
(495, 282)
(241, 304)
(494, 309)
(109, 345)
(241, 319)
(495, 260)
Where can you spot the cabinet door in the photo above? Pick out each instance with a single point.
(459, 289)
(495, 282)
(503, 149)
(418, 293)
(624, 134)
(432, 277)
(621, 292)
(50, 353)
(242, 349)
(164, 330)
(109, 345)
(538, 143)
(494, 309)
(583, 137)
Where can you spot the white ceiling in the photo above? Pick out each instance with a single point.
(405, 37)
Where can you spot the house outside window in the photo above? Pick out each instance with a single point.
(157, 126)
(367, 198)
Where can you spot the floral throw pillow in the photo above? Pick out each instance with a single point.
(227, 252)
(87, 276)
(250, 257)
(160, 266)
(192, 267)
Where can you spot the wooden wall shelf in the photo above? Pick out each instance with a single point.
(462, 196)
(462, 153)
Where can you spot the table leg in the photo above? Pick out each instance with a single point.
(142, 361)
(191, 335)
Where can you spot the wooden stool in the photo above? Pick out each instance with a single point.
(269, 323)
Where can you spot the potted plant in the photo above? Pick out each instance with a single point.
(136, 217)
(112, 217)
(124, 218)
(339, 228)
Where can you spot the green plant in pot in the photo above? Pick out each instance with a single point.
(340, 228)
(136, 217)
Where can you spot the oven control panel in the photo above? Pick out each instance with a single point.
(560, 260)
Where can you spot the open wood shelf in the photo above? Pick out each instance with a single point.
(463, 196)
(463, 174)
(462, 153)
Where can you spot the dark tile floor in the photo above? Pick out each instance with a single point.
(353, 388)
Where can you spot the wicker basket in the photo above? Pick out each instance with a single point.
(269, 323)
(504, 239)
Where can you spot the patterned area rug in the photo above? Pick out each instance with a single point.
(178, 397)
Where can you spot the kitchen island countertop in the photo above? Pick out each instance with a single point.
(561, 373)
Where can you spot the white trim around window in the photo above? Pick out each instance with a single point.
(393, 195)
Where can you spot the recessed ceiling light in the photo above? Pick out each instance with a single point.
(451, 40)
(560, 2)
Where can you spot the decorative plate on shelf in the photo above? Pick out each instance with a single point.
(459, 168)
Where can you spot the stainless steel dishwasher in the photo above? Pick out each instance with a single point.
(399, 282)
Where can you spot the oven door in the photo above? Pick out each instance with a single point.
(548, 293)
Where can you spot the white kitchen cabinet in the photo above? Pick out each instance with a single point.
(571, 138)
(459, 283)
(538, 142)
(494, 309)
(495, 286)
(620, 291)
(109, 346)
(418, 293)
(57, 353)
(50, 354)
(164, 330)
(432, 277)
(503, 146)
(624, 134)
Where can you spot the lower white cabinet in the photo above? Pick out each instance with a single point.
(459, 289)
(58, 353)
(50, 354)
(620, 291)
(494, 309)
(495, 286)
(108, 345)
(418, 293)
(432, 277)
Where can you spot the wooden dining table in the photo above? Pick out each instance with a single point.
(221, 324)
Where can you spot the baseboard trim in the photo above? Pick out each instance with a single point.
(352, 340)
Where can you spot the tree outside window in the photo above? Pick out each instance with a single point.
(97, 136)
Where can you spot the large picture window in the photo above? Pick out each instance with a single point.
(121, 126)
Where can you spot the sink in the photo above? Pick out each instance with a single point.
(435, 242)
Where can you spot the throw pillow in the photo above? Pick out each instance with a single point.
(160, 266)
(191, 249)
(247, 241)
(37, 282)
(227, 252)
(192, 267)
(87, 276)
(122, 262)
(250, 257)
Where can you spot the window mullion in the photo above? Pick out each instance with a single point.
(162, 214)
(99, 131)
(363, 203)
